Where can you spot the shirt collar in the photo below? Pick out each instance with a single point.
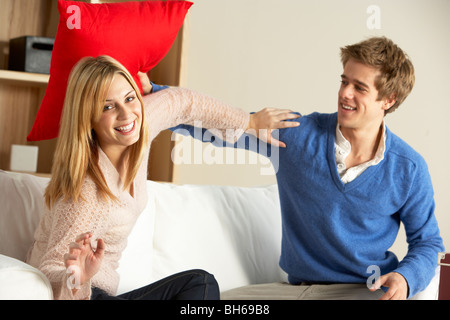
(345, 145)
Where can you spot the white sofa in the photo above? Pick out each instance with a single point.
(232, 232)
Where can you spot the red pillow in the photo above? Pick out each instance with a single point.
(137, 34)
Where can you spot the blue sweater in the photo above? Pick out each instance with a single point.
(331, 231)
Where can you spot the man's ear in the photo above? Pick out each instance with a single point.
(389, 102)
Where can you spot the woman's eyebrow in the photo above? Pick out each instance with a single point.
(123, 95)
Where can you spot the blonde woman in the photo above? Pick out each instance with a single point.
(98, 187)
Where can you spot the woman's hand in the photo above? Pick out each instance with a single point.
(82, 260)
(263, 122)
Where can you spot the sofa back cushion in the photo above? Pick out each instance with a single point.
(21, 203)
(231, 232)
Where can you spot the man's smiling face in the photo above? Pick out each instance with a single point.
(358, 104)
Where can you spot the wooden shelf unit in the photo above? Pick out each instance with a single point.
(21, 93)
(23, 78)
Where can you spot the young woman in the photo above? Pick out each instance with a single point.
(98, 184)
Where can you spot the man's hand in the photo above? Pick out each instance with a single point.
(397, 284)
(145, 82)
(263, 122)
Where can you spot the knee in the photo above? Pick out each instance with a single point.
(207, 277)
(210, 283)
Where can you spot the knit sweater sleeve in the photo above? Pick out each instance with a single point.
(422, 232)
(171, 107)
(67, 220)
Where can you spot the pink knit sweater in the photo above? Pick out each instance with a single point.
(113, 221)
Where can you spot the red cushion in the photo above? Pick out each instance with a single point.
(137, 34)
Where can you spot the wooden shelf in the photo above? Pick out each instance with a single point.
(24, 78)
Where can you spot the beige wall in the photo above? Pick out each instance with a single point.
(285, 53)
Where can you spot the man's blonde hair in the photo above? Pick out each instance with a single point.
(76, 153)
(396, 78)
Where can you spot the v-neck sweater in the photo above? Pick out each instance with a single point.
(334, 231)
(113, 221)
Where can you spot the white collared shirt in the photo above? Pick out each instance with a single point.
(342, 149)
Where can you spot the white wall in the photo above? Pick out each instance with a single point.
(285, 53)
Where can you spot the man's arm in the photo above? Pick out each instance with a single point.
(422, 232)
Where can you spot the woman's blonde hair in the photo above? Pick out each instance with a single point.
(396, 78)
(76, 152)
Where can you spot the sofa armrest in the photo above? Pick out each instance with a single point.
(20, 281)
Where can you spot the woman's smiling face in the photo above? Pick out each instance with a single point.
(119, 124)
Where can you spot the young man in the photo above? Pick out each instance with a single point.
(345, 184)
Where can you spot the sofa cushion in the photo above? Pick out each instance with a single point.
(21, 199)
(231, 232)
(135, 265)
